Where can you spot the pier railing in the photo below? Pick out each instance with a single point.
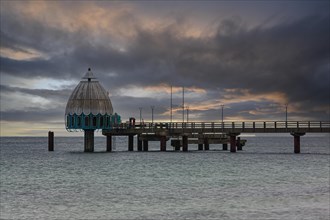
(242, 127)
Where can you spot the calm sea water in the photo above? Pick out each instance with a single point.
(264, 181)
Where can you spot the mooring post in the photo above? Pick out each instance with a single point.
(239, 145)
(139, 143)
(163, 143)
(145, 145)
(296, 136)
(206, 144)
(130, 143)
(184, 143)
(225, 146)
(109, 143)
(50, 141)
(89, 140)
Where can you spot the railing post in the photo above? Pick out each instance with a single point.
(275, 125)
(254, 126)
(243, 125)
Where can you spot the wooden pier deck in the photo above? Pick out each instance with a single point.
(178, 128)
(205, 133)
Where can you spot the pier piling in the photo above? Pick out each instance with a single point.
(184, 143)
(163, 143)
(200, 146)
(239, 145)
(206, 144)
(233, 143)
(109, 143)
(130, 143)
(50, 141)
(139, 143)
(145, 145)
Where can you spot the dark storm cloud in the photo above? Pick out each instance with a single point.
(61, 95)
(33, 115)
(290, 57)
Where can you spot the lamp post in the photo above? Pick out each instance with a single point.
(222, 113)
(222, 125)
(140, 115)
(152, 114)
(171, 103)
(286, 115)
(187, 113)
(182, 104)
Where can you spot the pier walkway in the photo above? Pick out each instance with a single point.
(205, 133)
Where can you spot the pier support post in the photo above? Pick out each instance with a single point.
(50, 141)
(206, 144)
(233, 141)
(296, 136)
(145, 145)
(109, 143)
(163, 143)
(239, 146)
(89, 141)
(184, 143)
(139, 143)
(225, 146)
(200, 146)
(130, 143)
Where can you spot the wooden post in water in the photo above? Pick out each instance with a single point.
(225, 146)
(50, 141)
(184, 143)
(296, 136)
(139, 143)
(163, 143)
(109, 143)
(206, 144)
(130, 143)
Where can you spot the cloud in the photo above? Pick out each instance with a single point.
(254, 69)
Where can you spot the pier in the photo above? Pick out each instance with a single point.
(206, 133)
(89, 108)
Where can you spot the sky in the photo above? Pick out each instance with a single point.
(253, 57)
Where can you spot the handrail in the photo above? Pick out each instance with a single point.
(244, 125)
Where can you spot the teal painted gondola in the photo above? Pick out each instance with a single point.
(91, 122)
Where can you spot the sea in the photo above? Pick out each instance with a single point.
(264, 181)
